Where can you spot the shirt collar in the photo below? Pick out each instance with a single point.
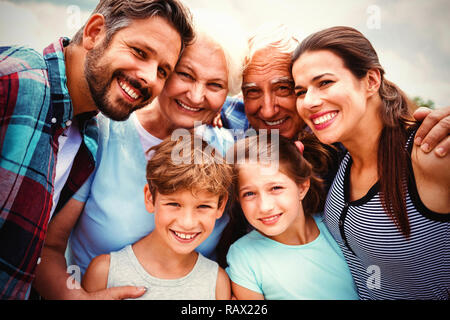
(60, 98)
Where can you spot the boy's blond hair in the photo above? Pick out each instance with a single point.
(167, 175)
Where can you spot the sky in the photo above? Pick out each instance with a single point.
(410, 36)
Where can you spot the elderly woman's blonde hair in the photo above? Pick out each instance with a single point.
(227, 32)
(274, 35)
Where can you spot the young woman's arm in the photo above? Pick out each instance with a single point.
(432, 176)
(242, 293)
(223, 287)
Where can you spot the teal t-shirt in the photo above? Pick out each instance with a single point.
(313, 271)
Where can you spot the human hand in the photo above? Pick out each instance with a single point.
(217, 121)
(300, 146)
(433, 133)
(116, 293)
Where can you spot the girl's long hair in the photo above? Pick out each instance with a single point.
(299, 167)
(359, 57)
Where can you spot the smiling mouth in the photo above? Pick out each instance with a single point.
(275, 123)
(129, 90)
(185, 237)
(324, 119)
(270, 220)
(186, 107)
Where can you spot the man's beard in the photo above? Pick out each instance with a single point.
(99, 79)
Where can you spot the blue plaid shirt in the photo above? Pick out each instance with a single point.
(233, 114)
(35, 108)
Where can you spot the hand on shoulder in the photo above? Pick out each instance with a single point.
(432, 177)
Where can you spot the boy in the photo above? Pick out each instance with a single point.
(187, 191)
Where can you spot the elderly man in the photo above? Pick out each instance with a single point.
(117, 63)
(270, 103)
(267, 88)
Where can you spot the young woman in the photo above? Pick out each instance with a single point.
(388, 206)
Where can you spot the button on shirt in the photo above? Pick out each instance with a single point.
(35, 108)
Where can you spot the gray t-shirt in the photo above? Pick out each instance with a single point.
(199, 284)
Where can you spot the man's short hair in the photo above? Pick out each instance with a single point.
(119, 14)
(200, 170)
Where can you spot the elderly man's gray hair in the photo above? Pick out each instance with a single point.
(277, 36)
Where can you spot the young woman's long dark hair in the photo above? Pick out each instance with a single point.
(359, 57)
(314, 161)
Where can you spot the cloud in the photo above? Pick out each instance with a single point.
(412, 40)
(38, 24)
(413, 47)
(303, 17)
(425, 20)
(83, 4)
(415, 76)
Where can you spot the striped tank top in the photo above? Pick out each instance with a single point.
(384, 264)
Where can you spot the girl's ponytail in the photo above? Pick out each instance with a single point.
(314, 163)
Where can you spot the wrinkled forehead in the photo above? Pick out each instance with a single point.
(267, 64)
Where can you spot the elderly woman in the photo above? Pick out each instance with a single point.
(112, 203)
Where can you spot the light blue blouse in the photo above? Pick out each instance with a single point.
(313, 271)
(114, 214)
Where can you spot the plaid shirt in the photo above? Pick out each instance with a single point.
(35, 108)
(233, 114)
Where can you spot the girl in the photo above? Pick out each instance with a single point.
(388, 206)
(290, 254)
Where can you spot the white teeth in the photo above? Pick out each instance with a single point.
(129, 90)
(186, 236)
(181, 104)
(274, 123)
(324, 118)
(270, 219)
